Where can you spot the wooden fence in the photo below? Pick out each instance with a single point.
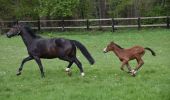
(113, 23)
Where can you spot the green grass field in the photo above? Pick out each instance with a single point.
(103, 81)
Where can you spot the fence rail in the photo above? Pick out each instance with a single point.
(91, 23)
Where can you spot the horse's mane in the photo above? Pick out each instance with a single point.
(29, 30)
(118, 46)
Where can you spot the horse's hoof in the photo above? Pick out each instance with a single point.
(19, 73)
(43, 76)
(69, 73)
(82, 74)
(67, 70)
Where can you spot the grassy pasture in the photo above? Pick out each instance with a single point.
(103, 81)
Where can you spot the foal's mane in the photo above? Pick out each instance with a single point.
(29, 30)
(118, 46)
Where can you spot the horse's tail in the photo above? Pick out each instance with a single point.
(153, 53)
(84, 51)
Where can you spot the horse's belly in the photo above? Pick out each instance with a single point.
(49, 54)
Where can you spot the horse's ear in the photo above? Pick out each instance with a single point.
(111, 42)
(15, 22)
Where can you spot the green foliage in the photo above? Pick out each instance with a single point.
(6, 9)
(119, 7)
(25, 9)
(57, 8)
(85, 9)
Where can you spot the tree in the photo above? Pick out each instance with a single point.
(56, 8)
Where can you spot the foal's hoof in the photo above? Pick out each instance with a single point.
(128, 71)
(18, 73)
(133, 75)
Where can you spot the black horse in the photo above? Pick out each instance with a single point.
(39, 47)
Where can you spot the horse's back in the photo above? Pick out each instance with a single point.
(50, 48)
(136, 50)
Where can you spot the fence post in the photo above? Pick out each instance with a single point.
(139, 23)
(87, 24)
(0, 27)
(113, 24)
(168, 19)
(63, 25)
(0, 30)
(39, 25)
(17, 22)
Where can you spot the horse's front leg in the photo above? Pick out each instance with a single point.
(38, 61)
(22, 64)
(124, 62)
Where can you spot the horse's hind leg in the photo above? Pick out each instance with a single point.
(38, 61)
(68, 68)
(129, 68)
(78, 63)
(140, 63)
(22, 64)
(69, 59)
(69, 65)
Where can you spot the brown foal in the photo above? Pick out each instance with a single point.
(125, 55)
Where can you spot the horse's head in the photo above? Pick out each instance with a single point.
(15, 30)
(108, 48)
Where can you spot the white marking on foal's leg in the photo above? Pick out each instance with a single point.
(67, 69)
(104, 49)
(82, 74)
(133, 72)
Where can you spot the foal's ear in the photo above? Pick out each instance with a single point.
(111, 42)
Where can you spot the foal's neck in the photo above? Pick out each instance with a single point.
(117, 50)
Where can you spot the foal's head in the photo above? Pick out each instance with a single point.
(109, 47)
(14, 31)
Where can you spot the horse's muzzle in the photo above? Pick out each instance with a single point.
(8, 35)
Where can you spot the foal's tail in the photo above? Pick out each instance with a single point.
(153, 53)
(84, 51)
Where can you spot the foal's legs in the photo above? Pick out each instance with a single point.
(124, 62)
(140, 63)
(22, 63)
(38, 61)
(129, 68)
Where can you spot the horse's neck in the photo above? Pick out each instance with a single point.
(117, 51)
(27, 38)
